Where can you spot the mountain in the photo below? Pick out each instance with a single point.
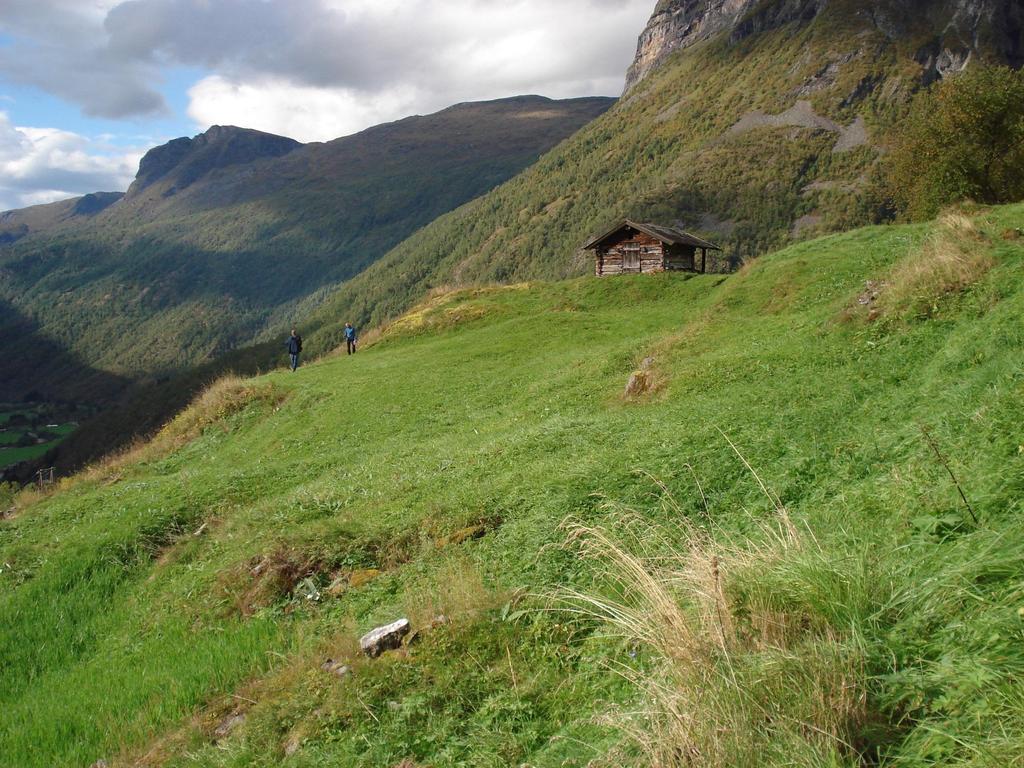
(165, 171)
(234, 233)
(760, 561)
(750, 123)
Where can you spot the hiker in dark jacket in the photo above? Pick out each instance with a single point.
(294, 345)
(350, 338)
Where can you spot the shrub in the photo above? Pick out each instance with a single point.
(963, 139)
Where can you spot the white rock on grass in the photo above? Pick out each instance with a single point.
(386, 638)
(336, 668)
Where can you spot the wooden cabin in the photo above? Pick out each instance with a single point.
(632, 248)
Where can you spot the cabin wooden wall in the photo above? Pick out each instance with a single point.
(642, 253)
(631, 255)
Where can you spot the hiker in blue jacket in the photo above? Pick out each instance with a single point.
(350, 338)
(294, 345)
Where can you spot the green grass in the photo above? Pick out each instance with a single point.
(663, 153)
(10, 456)
(128, 629)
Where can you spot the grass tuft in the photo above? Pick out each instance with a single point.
(732, 671)
(952, 258)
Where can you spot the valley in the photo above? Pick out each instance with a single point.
(29, 432)
(225, 239)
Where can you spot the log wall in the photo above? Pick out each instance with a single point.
(631, 255)
(641, 253)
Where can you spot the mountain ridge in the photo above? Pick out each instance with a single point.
(217, 147)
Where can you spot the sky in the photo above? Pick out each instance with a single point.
(87, 86)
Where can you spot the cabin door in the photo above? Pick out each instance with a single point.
(631, 258)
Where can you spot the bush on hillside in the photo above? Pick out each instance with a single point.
(963, 139)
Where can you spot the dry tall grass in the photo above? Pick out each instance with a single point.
(447, 306)
(738, 666)
(221, 399)
(953, 257)
(455, 592)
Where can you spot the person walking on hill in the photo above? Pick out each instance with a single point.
(294, 345)
(350, 338)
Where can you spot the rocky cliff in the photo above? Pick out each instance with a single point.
(950, 33)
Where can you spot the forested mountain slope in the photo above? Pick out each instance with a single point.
(808, 586)
(223, 236)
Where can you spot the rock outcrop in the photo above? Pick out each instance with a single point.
(678, 24)
(957, 31)
(185, 160)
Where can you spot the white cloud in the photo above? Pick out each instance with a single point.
(381, 61)
(40, 165)
(360, 59)
(302, 112)
(61, 47)
(310, 69)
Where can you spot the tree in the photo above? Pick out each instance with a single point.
(962, 139)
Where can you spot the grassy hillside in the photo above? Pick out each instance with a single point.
(224, 236)
(176, 606)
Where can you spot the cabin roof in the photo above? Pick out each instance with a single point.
(667, 235)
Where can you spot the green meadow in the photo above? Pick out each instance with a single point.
(763, 559)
